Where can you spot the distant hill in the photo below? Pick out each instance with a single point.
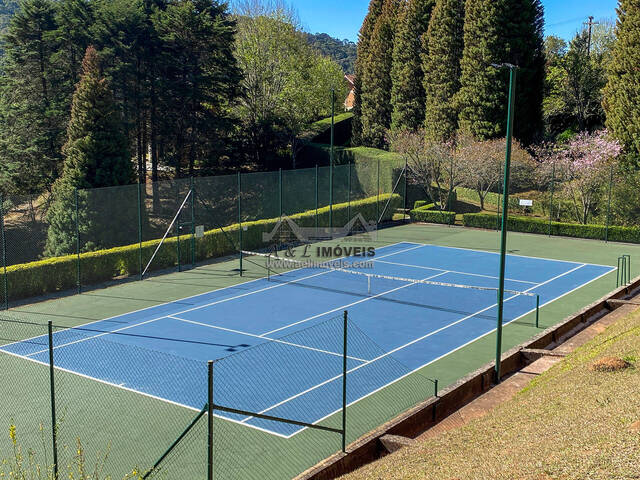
(342, 51)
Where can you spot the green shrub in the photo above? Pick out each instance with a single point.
(423, 203)
(425, 214)
(541, 226)
(60, 273)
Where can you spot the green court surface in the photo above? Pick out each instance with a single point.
(124, 429)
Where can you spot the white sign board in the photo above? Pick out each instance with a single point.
(200, 231)
(526, 203)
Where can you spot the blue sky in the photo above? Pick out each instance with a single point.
(342, 18)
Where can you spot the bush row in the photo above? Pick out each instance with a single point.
(61, 273)
(538, 225)
(423, 212)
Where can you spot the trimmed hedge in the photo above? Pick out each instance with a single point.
(60, 273)
(541, 226)
(423, 203)
(425, 214)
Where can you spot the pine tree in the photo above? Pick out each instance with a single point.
(96, 155)
(408, 95)
(502, 31)
(622, 95)
(442, 69)
(364, 39)
(376, 79)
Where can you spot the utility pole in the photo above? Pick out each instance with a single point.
(590, 24)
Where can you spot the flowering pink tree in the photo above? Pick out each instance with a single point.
(582, 167)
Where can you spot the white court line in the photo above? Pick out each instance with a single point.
(176, 301)
(352, 304)
(430, 334)
(452, 271)
(274, 340)
(253, 292)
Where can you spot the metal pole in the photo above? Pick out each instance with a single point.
(406, 193)
(505, 215)
(54, 423)
(140, 228)
(210, 423)
(78, 272)
(378, 198)
(606, 234)
(5, 280)
(193, 223)
(178, 227)
(280, 190)
(240, 217)
(331, 160)
(344, 382)
(537, 311)
(317, 193)
(553, 184)
(349, 197)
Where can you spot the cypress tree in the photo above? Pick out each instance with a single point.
(502, 31)
(622, 95)
(442, 68)
(364, 39)
(96, 155)
(408, 95)
(376, 78)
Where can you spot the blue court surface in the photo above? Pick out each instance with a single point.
(278, 341)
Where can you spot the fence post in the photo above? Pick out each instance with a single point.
(331, 161)
(5, 280)
(240, 217)
(78, 271)
(140, 228)
(210, 422)
(54, 424)
(317, 193)
(406, 193)
(553, 185)
(280, 191)
(344, 382)
(606, 235)
(193, 223)
(349, 197)
(378, 198)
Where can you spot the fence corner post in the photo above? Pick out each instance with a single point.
(54, 424)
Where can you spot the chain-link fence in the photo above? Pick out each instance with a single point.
(73, 240)
(105, 401)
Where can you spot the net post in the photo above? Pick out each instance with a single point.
(52, 393)
(240, 218)
(78, 272)
(5, 280)
(344, 381)
(193, 223)
(553, 183)
(537, 311)
(210, 420)
(606, 233)
(140, 228)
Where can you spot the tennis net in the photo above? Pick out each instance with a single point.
(363, 277)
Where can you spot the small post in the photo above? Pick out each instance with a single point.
(240, 217)
(537, 311)
(140, 228)
(193, 223)
(5, 280)
(505, 217)
(344, 382)
(78, 272)
(553, 184)
(606, 235)
(210, 422)
(280, 191)
(331, 160)
(435, 405)
(54, 424)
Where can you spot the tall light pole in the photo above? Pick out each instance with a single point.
(590, 24)
(505, 212)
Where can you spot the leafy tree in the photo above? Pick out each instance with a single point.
(622, 95)
(343, 52)
(376, 78)
(95, 156)
(442, 69)
(31, 108)
(554, 49)
(364, 40)
(407, 77)
(502, 31)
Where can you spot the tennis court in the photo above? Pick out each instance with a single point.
(405, 301)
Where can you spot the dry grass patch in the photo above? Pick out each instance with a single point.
(609, 364)
(571, 423)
